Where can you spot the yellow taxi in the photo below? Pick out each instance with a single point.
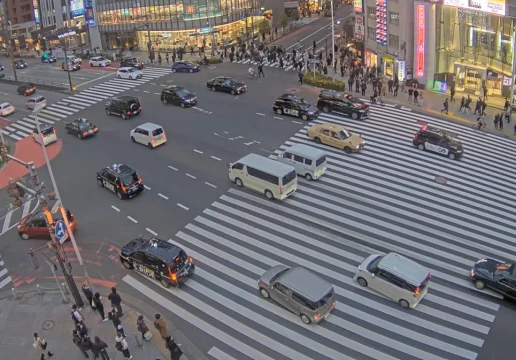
(337, 136)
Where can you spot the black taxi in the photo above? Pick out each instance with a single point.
(292, 105)
(345, 104)
(120, 179)
(158, 259)
(440, 141)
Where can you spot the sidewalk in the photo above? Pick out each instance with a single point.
(433, 104)
(47, 315)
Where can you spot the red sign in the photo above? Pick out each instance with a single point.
(190, 9)
(420, 57)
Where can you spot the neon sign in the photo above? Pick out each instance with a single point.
(420, 57)
(381, 22)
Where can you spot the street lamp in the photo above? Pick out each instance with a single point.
(11, 47)
(333, 37)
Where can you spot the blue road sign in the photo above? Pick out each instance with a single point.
(60, 229)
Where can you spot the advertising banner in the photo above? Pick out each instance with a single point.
(359, 28)
(357, 6)
(489, 6)
(76, 8)
(89, 13)
(201, 9)
(381, 22)
(420, 40)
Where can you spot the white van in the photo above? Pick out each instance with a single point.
(307, 160)
(35, 101)
(46, 136)
(271, 178)
(149, 134)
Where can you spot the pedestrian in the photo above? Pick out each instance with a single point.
(113, 316)
(166, 57)
(77, 340)
(175, 351)
(514, 129)
(122, 346)
(452, 93)
(41, 344)
(160, 324)
(364, 87)
(87, 346)
(384, 90)
(390, 84)
(143, 329)
(445, 105)
(507, 104)
(421, 98)
(116, 301)
(99, 349)
(500, 121)
(87, 293)
(159, 59)
(82, 329)
(260, 70)
(467, 104)
(496, 120)
(416, 94)
(76, 315)
(99, 307)
(478, 107)
(462, 102)
(484, 107)
(410, 93)
(300, 75)
(396, 88)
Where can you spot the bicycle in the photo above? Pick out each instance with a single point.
(377, 100)
(480, 127)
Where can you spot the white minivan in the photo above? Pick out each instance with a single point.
(271, 178)
(46, 136)
(149, 134)
(308, 161)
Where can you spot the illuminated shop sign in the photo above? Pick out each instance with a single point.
(66, 34)
(89, 13)
(420, 56)
(490, 6)
(202, 9)
(402, 69)
(440, 86)
(76, 8)
(357, 6)
(381, 22)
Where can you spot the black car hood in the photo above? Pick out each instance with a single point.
(237, 85)
(309, 108)
(188, 96)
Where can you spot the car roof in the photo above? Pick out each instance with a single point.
(264, 164)
(161, 249)
(173, 87)
(81, 121)
(35, 97)
(97, 57)
(331, 92)
(403, 267)
(287, 96)
(149, 126)
(330, 126)
(126, 98)
(306, 283)
(439, 131)
(126, 68)
(119, 169)
(305, 151)
(5, 104)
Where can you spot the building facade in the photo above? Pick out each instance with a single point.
(174, 23)
(21, 18)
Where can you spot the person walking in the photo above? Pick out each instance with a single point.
(506, 105)
(445, 105)
(500, 122)
(82, 330)
(99, 307)
(452, 93)
(160, 324)
(77, 340)
(478, 107)
(462, 102)
(142, 328)
(410, 93)
(416, 94)
(396, 88)
(467, 105)
(87, 293)
(484, 107)
(175, 351)
(116, 301)
(421, 98)
(113, 316)
(300, 76)
(167, 58)
(364, 87)
(159, 59)
(76, 315)
(122, 346)
(87, 346)
(496, 120)
(41, 344)
(99, 349)
(260, 70)
(390, 84)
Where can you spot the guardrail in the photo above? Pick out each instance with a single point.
(37, 81)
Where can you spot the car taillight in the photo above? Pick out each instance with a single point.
(140, 108)
(281, 190)
(334, 304)
(54, 131)
(190, 259)
(416, 292)
(85, 133)
(153, 141)
(140, 180)
(122, 187)
(172, 275)
(316, 317)
(128, 113)
(164, 136)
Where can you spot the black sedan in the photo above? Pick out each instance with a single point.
(495, 275)
(178, 95)
(81, 128)
(226, 84)
(20, 64)
(185, 66)
(26, 89)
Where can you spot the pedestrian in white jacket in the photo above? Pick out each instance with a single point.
(122, 346)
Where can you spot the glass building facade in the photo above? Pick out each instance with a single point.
(175, 23)
(474, 49)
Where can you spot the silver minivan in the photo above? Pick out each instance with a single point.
(395, 276)
(35, 101)
(149, 134)
(308, 161)
(300, 291)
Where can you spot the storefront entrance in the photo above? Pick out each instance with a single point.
(469, 79)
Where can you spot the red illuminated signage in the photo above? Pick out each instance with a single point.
(420, 57)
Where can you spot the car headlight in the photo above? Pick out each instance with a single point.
(361, 111)
(188, 100)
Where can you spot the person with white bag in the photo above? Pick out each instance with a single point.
(113, 316)
(143, 329)
(41, 345)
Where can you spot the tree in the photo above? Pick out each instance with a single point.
(264, 26)
(294, 15)
(283, 21)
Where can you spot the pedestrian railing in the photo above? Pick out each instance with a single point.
(47, 82)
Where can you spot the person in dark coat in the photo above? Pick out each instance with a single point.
(478, 107)
(116, 301)
(113, 316)
(141, 326)
(87, 292)
(77, 340)
(82, 329)
(99, 349)
(175, 351)
(97, 301)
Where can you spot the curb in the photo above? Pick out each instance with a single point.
(132, 304)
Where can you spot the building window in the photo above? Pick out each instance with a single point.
(394, 41)
(371, 33)
(371, 12)
(394, 18)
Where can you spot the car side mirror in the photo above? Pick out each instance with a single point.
(229, 165)
(373, 275)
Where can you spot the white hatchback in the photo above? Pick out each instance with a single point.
(128, 73)
(46, 136)
(6, 109)
(149, 134)
(99, 61)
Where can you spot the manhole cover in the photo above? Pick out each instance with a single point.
(48, 325)
(293, 90)
(441, 180)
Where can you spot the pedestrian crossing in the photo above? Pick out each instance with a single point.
(82, 100)
(382, 199)
(273, 64)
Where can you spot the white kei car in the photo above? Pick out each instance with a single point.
(99, 61)
(128, 73)
(6, 109)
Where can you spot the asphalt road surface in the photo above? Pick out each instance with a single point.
(382, 199)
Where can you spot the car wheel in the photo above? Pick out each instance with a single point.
(164, 283)
(479, 284)
(124, 116)
(279, 111)
(191, 70)
(362, 282)
(183, 105)
(421, 147)
(164, 101)
(354, 116)
(269, 195)
(133, 139)
(233, 92)
(149, 145)
(119, 194)
(174, 70)
(317, 140)
(451, 156)
(79, 136)
(127, 264)
(304, 117)
(118, 76)
(404, 303)
(213, 88)
(239, 182)
(264, 293)
(308, 177)
(131, 78)
(326, 109)
(99, 181)
(305, 319)
(24, 236)
(347, 150)
(108, 112)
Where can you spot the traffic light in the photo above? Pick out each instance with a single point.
(268, 16)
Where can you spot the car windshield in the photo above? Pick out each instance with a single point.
(132, 70)
(47, 131)
(344, 134)
(188, 63)
(129, 178)
(85, 126)
(101, 59)
(183, 92)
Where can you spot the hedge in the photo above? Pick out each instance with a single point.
(2, 159)
(213, 60)
(324, 82)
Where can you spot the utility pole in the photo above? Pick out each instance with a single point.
(66, 66)
(11, 49)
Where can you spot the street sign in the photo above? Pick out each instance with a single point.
(60, 231)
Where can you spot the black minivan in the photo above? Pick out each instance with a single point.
(345, 104)
(177, 95)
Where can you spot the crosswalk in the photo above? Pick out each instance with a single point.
(383, 199)
(273, 64)
(75, 103)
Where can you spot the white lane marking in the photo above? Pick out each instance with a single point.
(96, 79)
(7, 221)
(115, 208)
(216, 158)
(157, 93)
(296, 122)
(147, 92)
(182, 206)
(211, 185)
(173, 168)
(153, 83)
(236, 98)
(136, 90)
(133, 219)
(152, 232)
(146, 187)
(190, 176)
(260, 114)
(198, 152)
(16, 137)
(278, 118)
(219, 355)
(162, 196)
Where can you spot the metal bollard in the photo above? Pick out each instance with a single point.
(15, 294)
(39, 289)
(137, 340)
(65, 288)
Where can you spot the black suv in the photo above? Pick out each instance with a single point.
(494, 275)
(120, 179)
(226, 84)
(158, 259)
(289, 104)
(131, 62)
(123, 106)
(443, 142)
(178, 95)
(345, 104)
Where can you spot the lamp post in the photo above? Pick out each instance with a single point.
(333, 38)
(66, 67)
(11, 49)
